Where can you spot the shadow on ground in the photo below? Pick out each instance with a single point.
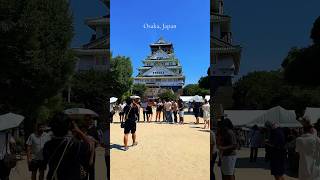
(116, 146)
(245, 163)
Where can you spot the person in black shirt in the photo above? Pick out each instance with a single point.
(68, 158)
(131, 111)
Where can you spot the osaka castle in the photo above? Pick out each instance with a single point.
(95, 54)
(161, 69)
(225, 56)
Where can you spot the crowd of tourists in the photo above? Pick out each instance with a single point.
(167, 111)
(66, 149)
(296, 150)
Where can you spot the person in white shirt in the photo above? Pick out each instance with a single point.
(35, 144)
(121, 113)
(168, 110)
(206, 114)
(308, 147)
(7, 144)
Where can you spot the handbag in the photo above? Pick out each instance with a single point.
(122, 125)
(9, 160)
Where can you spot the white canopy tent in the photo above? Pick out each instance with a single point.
(186, 98)
(285, 118)
(242, 117)
(313, 114)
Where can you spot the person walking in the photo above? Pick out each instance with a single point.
(7, 147)
(35, 144)
(196, 110)
(130, 126)
(227, 150)
(206, 114)
(277, 150)
(164, 119)
(168, 109)
(68, 157)
(254, 142)
(308, 147)
(181, 111)
(175, 111)
(159, 110)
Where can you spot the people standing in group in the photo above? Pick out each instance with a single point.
(196, 110)
(175, 111)
(105, 143)
(68, 157)
(277, 150)
(181, 111)
(308, 147)
(159, 110)
(168, 111)
(131, 114)
(144, 105)
(121, 113)
(149, 111)
(7, 147)
(206, 114)
(254, 143)
(35, 144)
(227, 148)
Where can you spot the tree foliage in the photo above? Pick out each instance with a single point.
(194, 89)
(315, 32)
(204, 82)
(36, 62)
(301, 65)
(139, 89)
(264, 90)
(94, 88)
(168, 94)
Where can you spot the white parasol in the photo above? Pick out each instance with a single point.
(134, 97)
(10, 120)
(80, 112)
(113, 99)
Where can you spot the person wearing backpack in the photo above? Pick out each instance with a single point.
(7, 146)
(68, 156)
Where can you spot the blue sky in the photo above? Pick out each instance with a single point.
(190, 38)
(268, 29)
(265, 29)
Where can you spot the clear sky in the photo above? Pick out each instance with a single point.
(267, 29)
(190, 39)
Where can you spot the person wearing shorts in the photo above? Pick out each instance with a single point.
(35, 145)
(228, 150)
(159, 110)
(130, 126)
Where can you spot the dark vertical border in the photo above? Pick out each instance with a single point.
(107, 2)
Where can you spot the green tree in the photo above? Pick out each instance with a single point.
(194, 89)
(94, 88)
(139, 89)
(168, 94)
(315, 32)
(204, 82)
(301, 65)
(36, 61)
